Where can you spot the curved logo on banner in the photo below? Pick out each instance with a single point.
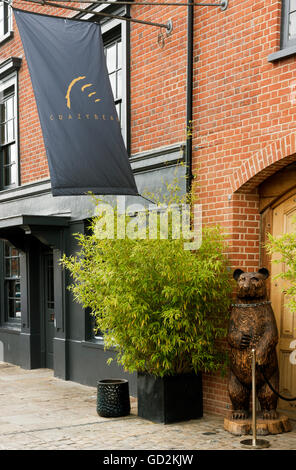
(87, 85)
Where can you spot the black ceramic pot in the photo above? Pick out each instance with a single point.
(113, 398)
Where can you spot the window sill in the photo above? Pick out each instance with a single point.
(99, 344)
(6, 37)
(282, 54)
(96, 344)
(11, 329)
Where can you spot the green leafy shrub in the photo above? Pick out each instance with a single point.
(163, 308)
(285, 247)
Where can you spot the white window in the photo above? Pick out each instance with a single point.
(12, 291)
(114, 34)
(8, 132)
(113, 52)
(5, 20)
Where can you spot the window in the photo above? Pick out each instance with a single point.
(8, 133)
(288, 23)
(8, 138)
(115, 38)
(49, 282)
(12, 291)
(113, 52)
(5, 21)
(288, 32)
(116, 33)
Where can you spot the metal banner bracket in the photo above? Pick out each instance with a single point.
(224, 5)
(168, 26)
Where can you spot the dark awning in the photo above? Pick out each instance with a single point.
(24, 221)
(19, 229)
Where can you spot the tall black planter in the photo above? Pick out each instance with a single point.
(113, 398)
(170, 399)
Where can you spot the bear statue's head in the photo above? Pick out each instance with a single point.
(251, 285)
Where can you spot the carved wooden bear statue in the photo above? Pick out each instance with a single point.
(252, 325)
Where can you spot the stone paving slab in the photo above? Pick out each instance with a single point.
(41, 412)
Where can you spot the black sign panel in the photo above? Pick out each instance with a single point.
(81, 130)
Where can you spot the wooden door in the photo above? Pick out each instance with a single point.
(283, 216)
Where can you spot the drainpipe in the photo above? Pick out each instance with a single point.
(189, 90)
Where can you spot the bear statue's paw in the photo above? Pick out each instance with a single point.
(269, 414)
(239, 414)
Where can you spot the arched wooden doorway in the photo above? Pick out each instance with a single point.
(278, 209)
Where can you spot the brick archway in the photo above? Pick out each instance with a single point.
(263, 164)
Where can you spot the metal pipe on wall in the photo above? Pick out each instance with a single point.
(189, 97)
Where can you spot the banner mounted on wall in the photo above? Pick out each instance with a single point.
(80, 126)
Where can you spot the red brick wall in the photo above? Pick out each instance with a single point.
(215, 395)
(241, 106)
(158, 79)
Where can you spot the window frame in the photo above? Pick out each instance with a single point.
(5, 83)
(5, 321)
(112, 41)
(285, 41)
(9, 33)
(110, 33)
(6, 279)
(107, 25)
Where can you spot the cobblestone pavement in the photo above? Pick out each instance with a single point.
(38, 411)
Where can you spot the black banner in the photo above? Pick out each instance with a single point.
(81, 130)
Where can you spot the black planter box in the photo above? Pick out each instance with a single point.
(170, 399)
